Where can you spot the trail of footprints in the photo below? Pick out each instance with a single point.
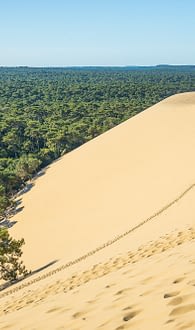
(163, 244)
(180, 305)
(103, 246)
(128, 316)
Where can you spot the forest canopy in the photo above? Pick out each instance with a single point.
(47, 112)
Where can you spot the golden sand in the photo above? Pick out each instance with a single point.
(118, 216)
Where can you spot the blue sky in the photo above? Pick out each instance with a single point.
(96, 32)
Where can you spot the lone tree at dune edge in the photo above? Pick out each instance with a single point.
(11, 267)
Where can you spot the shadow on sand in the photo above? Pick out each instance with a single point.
(8, 284)
(13, 210)
(16, 208)
(6, 223)
(27, 188)
(29, 185)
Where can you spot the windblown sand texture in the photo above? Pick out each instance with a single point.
(118, 217)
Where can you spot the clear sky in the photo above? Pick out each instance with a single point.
(96, 32)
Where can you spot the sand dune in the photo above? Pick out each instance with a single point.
(118, 215)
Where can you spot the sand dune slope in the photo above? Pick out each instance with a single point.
(118, 214)
(109, 184)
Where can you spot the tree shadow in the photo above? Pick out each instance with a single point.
(30, 184)
(40, 173)
(16, 208)
(9, 213)
(6, 223)
(31, 273)
(42, 268)
(27, 188)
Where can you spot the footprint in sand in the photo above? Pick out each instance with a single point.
(77, 315)
(176, 301)
(178, 280)
(147, 280)
(127, 308)
(179, 300)
(186, 325)
(128, 272)
(110, 285)
(104, 325)
(191, 283)
(131, 315)
(121, 327)
(122, 291)
(82, 314)
(171, 294)
(179, 242)
(91, 301)
(183, 309)
(170, 321)
(146, 293)
(54, 309)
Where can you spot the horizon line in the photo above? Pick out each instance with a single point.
(94, 65)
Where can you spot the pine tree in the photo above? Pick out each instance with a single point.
(11, 268)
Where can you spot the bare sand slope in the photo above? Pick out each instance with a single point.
(110, 184)
(119, 214)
